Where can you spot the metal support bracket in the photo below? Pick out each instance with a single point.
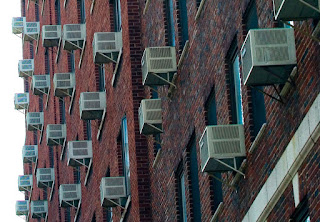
(279, 98)
(58, 52)
(77, 212)
(126, 208)
(82, 52)
(72, 100)
(220, 180)
(309, 5)
(43, 3)
(153, 89)
(102, 123)
(156, 128)
(115, 71)
(302, 31)
(163, 79)
(92, 6)
(41, 134)
(88, 172)
(48, 95)
(63, 148)
(51, 192)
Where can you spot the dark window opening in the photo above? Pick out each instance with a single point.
(169, 23)
(125, 153)
(182, 15)
(182, 201)
(81, 11)
(57, 12)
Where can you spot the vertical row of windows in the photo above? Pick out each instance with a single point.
(46, 62)
(125, 153)
(62, 111)
(57, 12)
(81, 11)
(169, 23)
(183, 34)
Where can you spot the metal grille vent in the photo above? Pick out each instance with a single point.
(91, 96)
(80, 152)
(79, 144)
(34, 115)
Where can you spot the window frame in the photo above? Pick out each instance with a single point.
(125, 153)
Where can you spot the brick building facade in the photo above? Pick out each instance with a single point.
(163, 172)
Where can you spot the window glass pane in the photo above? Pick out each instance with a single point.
(183, 198)
(237, 87)
(89, 136)
(195, 182)
(125, 151)
(170, 22)
(117, 11)
(183, 19)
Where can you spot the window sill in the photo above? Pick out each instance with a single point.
(200, 9)
(92, 6)
(146, 6)
(217, 212)
(258, 138)
(156, 159)
(287, 86)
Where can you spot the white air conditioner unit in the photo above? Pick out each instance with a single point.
(31, 31)
(92, 105)
(150, 117)
(18, 24)
(40, 84)
(51, 35)
(45, 177)
(64, 84)
(69, 195)
(158, 61)
(106, 46)
(73, 36)
(30, 153)
(34, 121)
(79, 152)
(222, 146)
(21, 101)
(56, 134)
(294, 10)
(22, 207)
(26, 68)
(114, 189)
(268, 56)
(39, 208)
(25, 182)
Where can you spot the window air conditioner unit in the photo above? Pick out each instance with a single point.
(150, 117)
(22, 207)
(158, 61)
(92, 105)
(18, 24)
(56, 134)
(268, 56)
(25, 182)
(293, 10)
(31, 31)
(34, 121)
(64, 84)
(69, 195)
(51, 35)
(39, 208)
(114, 189)
(222, 146)
(73, 36)
(40, 84)
(45, 177)
(30, 153)
(21, 101)
(26, 67)
(106, 46)
(79, 153)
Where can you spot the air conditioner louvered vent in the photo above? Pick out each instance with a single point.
(92, 105)
(106, 46)
(150, 117)
(26, 68)
(73, 36)
(112, 188)
(21, 101)
(31, 31)
(51, 35)
(64, 84)
(160, 61)
(56, 134)
(34, 121)
(268, 56)
(30, 153)
(25, 182)
(40, 84)
(22, 207)
(39, 208)
(18, 24)
(294, 10)
(69, 194)
(224, 143)
(45, 177)
(79, 152)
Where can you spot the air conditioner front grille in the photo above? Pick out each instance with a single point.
(38, 209)
(51, 28)
(91, 96)
(31, 24)
(69, 187)
(34, 115)
(91, 104)
(73, 27)
(272, 54)
(73, 35)
(79, 144)
(161, 64)
(45, 177)
(26, 67)
(26, 61)
(204, 149)
(63, 84)
(223, 132)
(32, 30)
(63, 76)
(40, 84)
(45, 171)
(271, 37)
(113, 182)
(22, 100)
(40, 77)
(70, 195)
(34, 121)
(160, 52)
(80, 152)
(114, 191)
(24, 183)
(55, 135)
(106, 45)
(153, 115)
(55, 127)
(106, 36)
(51, 35)
(30, 153)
